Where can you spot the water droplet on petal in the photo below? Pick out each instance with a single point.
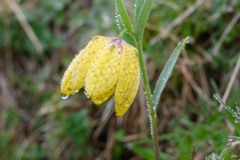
(64, 96)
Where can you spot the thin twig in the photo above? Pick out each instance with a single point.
(177, 21)
(230, 84)
(26, 143)
(25, 25)
(225, 34)
(195, 86)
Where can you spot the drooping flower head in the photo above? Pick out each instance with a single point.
(106, 65)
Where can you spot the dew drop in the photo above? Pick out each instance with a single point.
(236, 121)
(217, 96)
(235, 114)
(164, 79)
(233, 156)
(214, 156)
(64, 96)
(230, 139)
(150, 119)
(238, 108)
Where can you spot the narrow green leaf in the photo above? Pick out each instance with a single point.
(167, 70)
(142, 19)
(128, 37)
(124, 15)
(137, 9)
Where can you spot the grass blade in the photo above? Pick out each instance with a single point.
(167, 70)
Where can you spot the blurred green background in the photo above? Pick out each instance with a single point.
(39, 38)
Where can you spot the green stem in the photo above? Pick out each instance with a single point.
(152, 111)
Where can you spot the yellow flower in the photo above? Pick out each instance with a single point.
(106, 65)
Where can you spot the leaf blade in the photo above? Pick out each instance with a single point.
(138, 7)
(167, 70)
(124, 15)
(141, 20)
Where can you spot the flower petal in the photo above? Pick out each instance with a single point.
(102, 75)
(129, 79)
(73, 78)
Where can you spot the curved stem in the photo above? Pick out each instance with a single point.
(152, 111)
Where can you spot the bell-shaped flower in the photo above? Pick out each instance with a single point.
(106, 65)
